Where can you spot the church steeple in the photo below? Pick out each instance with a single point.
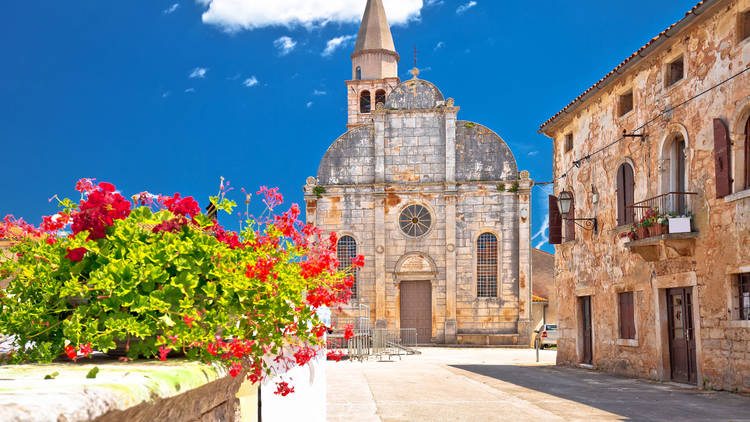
(374, 33)
(374, 64)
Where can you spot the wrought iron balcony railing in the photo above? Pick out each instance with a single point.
(673, 203)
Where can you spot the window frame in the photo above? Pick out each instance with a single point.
(743, 26)
(380, 94)
(620, 109)
(482, 268)
(365, 107)
(346, 262)
(670, 78)
(622, 198)
(568, 142)
(743, 286)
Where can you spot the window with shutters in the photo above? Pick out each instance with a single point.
(742, 289)
(345, 252)
(722, 153)
(625, 194)
(487, 257)
(379, 97)
(555, 222)
(747, 154)
(570, 224)
(364, 102)
(627, 316)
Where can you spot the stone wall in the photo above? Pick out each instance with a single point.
(600, 265)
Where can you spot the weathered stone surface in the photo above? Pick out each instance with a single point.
(600, 265)
(414, 94)
(137, 391)
(482, 155)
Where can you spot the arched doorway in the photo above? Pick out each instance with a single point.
(415, 275)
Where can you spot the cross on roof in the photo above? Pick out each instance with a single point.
(415, 55)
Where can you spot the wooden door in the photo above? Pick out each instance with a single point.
(588, 356)
(681, 334)
(416, 308)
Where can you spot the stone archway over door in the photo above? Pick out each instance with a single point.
(416, 308)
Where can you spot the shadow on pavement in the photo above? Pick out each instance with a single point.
(629, 398)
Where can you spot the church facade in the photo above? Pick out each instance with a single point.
(435, 204)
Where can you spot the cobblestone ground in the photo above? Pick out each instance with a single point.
(444, 384)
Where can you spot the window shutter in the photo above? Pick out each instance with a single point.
(721, 156)
(621, 220)
(747, 150)
(555, 222)
(629, 182)
(570, 227)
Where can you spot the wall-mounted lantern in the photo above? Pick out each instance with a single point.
(564, 201)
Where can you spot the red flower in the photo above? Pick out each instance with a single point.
(163, 352)
(236, 369)
(100, 210)
(283, 389)
(349, 333)
(335, 356)
(86, 349)
(106, 187)
(188, 321)
(319, 330)
(181, 206)
(358, 261)
(50, 240)
(303, 355)
(76, 255)
(71, 352)
(85, 185)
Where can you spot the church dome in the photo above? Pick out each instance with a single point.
(482, 155)
(414, 94)
(350, 160)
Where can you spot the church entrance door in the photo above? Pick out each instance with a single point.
(416, 308)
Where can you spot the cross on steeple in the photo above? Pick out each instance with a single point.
(415, 55)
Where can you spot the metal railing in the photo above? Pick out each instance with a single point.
(677, 203)
(394, 342)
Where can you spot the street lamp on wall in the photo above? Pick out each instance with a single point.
(564, 201)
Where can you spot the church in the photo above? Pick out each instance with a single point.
(436, 205)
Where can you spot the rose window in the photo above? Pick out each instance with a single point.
(415, 220)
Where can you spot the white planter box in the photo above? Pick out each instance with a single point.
(679, 225)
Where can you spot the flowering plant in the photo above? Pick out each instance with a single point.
(157, 275)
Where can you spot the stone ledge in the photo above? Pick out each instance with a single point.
(737, 196)
(663, 247)
(137, 391)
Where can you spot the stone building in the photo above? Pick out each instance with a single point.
(668, 129)
(435, 204)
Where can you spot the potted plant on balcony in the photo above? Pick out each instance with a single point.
(679, 223)
(662, 224)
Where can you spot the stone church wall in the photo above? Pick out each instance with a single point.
(415, 147)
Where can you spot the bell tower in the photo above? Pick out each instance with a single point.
(374, 65)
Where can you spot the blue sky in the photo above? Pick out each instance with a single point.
(167, 96)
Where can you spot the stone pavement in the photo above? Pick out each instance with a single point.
(447, 384)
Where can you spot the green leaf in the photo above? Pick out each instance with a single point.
(92, 373)
(51, 376)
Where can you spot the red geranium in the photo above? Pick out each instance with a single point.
(76, 255)
(99, 210)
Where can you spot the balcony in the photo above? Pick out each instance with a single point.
(663, 227)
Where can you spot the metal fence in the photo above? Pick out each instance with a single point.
(679, 203)
(394, 342)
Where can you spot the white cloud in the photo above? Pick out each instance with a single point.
(166, 94)
(236, 15)
(543, 234)
(464, 7)
(285, 45)
(250, 82)
(429, 3)
(533, 153)
(319, 92)
(439, 45)
(190, 90)
(198, 72)
(339, 42)
(309, 104)
(171, 9)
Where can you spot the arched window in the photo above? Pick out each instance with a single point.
(625, 195)
(379, 97)
(364, 102)
(487, 258)
(747, 154)
(359, 73)
(345, 252)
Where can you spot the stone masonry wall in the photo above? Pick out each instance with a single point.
(601, 266)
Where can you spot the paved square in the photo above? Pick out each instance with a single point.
(446, 384)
